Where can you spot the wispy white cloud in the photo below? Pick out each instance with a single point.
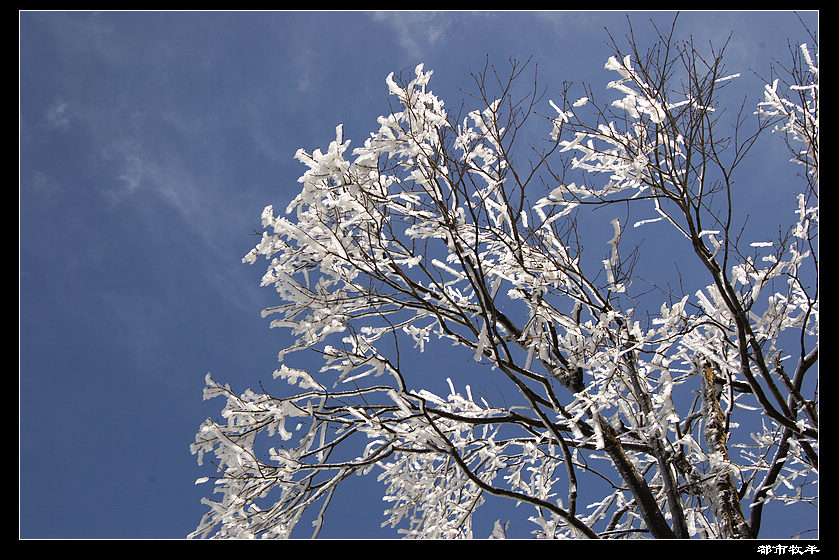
(43, 184)
(57, 115)
(139, 168)
(417, 31)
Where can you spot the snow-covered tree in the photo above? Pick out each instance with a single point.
(632, 408)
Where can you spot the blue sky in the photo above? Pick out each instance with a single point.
(149, 145)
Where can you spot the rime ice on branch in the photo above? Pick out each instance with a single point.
(430, 233)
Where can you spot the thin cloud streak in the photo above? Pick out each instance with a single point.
(417, 32)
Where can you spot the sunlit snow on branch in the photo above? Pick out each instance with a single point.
(430, 235)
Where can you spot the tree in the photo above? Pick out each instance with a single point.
(633, 408)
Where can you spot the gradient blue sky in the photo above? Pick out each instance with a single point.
(149, 145)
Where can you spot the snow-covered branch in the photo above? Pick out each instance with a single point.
(431, 234)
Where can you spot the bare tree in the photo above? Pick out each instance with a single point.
(434, 231)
